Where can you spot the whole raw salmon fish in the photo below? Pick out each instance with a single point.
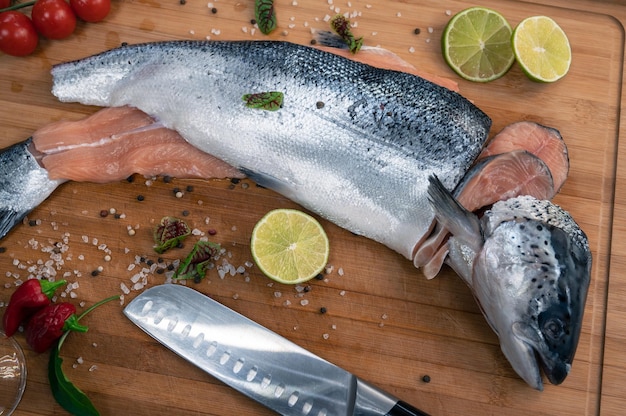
(352, 143)
(360, 146)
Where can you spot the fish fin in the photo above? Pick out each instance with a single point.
(268, 181)
(330, 39)
(377, 57)
(461, 223)
(24, 184)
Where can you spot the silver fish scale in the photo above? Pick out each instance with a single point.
(353, 143)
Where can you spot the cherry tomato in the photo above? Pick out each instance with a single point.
(91, 10)
(17, 34)
(53, 19)
(4, 4)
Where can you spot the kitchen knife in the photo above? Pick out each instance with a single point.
(254, 360)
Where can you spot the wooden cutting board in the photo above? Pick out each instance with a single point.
(384, 322)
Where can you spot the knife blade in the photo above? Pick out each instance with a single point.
(254, 360)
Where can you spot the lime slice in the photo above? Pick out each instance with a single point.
(289, 246)
(476, 44)
(542, 49)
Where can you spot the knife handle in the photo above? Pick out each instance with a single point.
(404, 409)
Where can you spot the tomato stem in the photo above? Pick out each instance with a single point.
(17, 6)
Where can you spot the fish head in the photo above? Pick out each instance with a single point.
(531, 278)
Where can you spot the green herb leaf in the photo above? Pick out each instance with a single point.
(70, 397)
(271, 100)
(169, 233)
(265, 15)
(198, 261)
(341, 26)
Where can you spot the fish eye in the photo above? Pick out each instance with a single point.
(554, 329)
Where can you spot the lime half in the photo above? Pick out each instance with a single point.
(476, 44)
(289, 246)
(542, 49)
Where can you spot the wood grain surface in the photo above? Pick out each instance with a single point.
(384, 322)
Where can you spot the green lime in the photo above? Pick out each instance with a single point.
(476, 44)
(289, 246)
(542, 49)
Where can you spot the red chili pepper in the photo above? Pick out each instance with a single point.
(27, 299)
(48, 324)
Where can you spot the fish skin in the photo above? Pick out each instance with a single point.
(528, 265)
(24, 184)
(361, 159)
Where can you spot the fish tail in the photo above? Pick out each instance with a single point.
(24, 184)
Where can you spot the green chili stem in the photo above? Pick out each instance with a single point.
(91, 308)
(94, 306)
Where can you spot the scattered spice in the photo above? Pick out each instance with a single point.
(104, 213)
(213, 10)
(341, 25)
(265, 15)
(417, 31)
(426, 378)
(170, 233)
(270, 100)
(323, 310)
(140, 198)
(319, 104)
(182, 2)
(32, 223)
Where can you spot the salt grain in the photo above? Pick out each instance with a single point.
(124, 288)
(326, 336)
(304, 302)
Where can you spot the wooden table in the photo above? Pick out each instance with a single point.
(385, 322)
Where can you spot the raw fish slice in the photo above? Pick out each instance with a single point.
(544, 142)
(495, 178)
(146, 148)
(65, 134)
